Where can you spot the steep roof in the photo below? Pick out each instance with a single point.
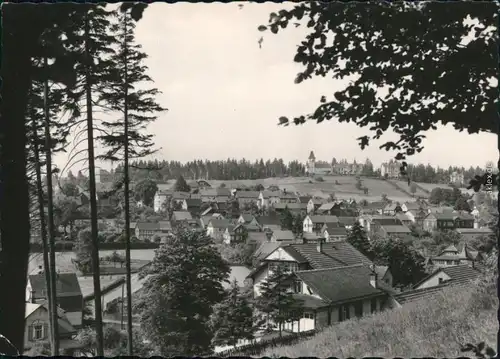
(67, 284)
(284, 235)
(333, 254)
(340, 284)
(220, 223)
(336, 231)
(147, 226)
(248, 194)
(193, 202)
(247, 217)
(418, 294)
(347, 220)
(311, 156)
(182, 216)
(324, 219)
(396, 229)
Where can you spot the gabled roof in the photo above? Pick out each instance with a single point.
(333, 254)
(248, 194)
(164, 225)
(268, 194)
(247, 217)
(324, 219)
(216, 192)
(458, 274)
(147, 226)
(401, 216)
(182, 216)
(347, 221)
(288, 195)
(327, 206)
(418, 294)
(180, 195)
(65, 326)
(193, 202)
(284, 235)
(336, 231)
(304, 199)
(412, 205)
(256, 238)
(375, 205)
(291, 206)
(341, 284)
(220, 223)
(391, 206)
(67, 284)
(396, 229)
(267, 220)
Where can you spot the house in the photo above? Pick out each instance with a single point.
(304, 199)
(397, 231)
(146, 230)
(249, 219)
(470, 234)
(313, 224)
(390, 169)
(333, 232)
(204, 220)
(69, 294)
(370, 221)
(314, 204)
(217, 227)
(328, 208)
(448, 220)
(181, 216)
(269, 198)
(416, 216)
(267, 248)
(404, 218)
(457, 178)
(345, 168)
(417, 295)
(255, 239)
(247, 197)
(456, 255)
(179, 197)
(215, 194)
(440, 209)
(282, 236)
(164, 228)
(347, 221)
(459, 273)
(269, 222)
(411, 206)
(159, 200)
(373, 208)
(391, 209)
(292, 207)
(191, 205)
(306, 256)
(287, 197)
(37, 327)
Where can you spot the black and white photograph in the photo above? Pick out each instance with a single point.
(249, 179)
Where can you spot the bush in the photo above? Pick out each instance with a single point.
(320, 179)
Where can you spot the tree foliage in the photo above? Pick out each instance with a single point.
(358, 239)
(232, 319)
(145, 191)
(404, 262)
(181, 185)
(184, 283)
(415, 52)
(276, 302)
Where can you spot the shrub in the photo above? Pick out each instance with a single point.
(320, 179)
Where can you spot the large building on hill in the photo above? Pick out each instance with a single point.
(390, 169)
(345, 168)
(315, 169)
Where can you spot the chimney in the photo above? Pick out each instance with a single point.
(284, 190)
(373, 277)
(319, 245)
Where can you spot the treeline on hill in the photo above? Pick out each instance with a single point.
(232, 169)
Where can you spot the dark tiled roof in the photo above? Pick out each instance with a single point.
(418, 294)
(268, 194)
(181, 195)
(67, 283)
(304, 199)
(396, 229)
(265, 220)
(248, 194)
(216, 192)
(310, 302)
(340, 284)
(291, 206)
(193, 202)
(182, 215)
(412, 205)
(284, 235)
(247, 217)
(387, 221)
(461, 273)
(324, 219)
(265, 249)
(333, 254)
(256, 238)
(347, 221)
(288, 195)
(220, 223)
(336, 231)
(374, 205)
(165, 225)
(146, 226)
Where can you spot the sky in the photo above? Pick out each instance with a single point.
(225, 94)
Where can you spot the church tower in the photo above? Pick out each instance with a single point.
(311, 164)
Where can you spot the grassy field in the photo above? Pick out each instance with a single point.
(344, 187)
(435, 327)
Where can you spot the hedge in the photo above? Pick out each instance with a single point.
(65, 246)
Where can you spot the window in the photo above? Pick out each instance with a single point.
(298, 286)
(309, 315)
(358, 309)
(373, 305)
(37, 331)
(344, 313)
(440, 280)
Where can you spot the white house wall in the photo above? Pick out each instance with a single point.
(434, 280)
(280, 255)
(307, 225)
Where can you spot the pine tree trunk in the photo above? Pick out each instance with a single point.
(43, 233)
(93, 199)
(14, 200)
(127, 198)
(50, 224)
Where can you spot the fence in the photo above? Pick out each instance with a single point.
(256, 348)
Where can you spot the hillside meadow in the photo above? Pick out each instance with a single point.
(435, 327)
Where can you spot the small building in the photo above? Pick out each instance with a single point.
(314, 224)
(448, 220)
(391, 209)
(191, 205)
(459, 274)
(333, 233)
(69, 295)
(181, 216)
